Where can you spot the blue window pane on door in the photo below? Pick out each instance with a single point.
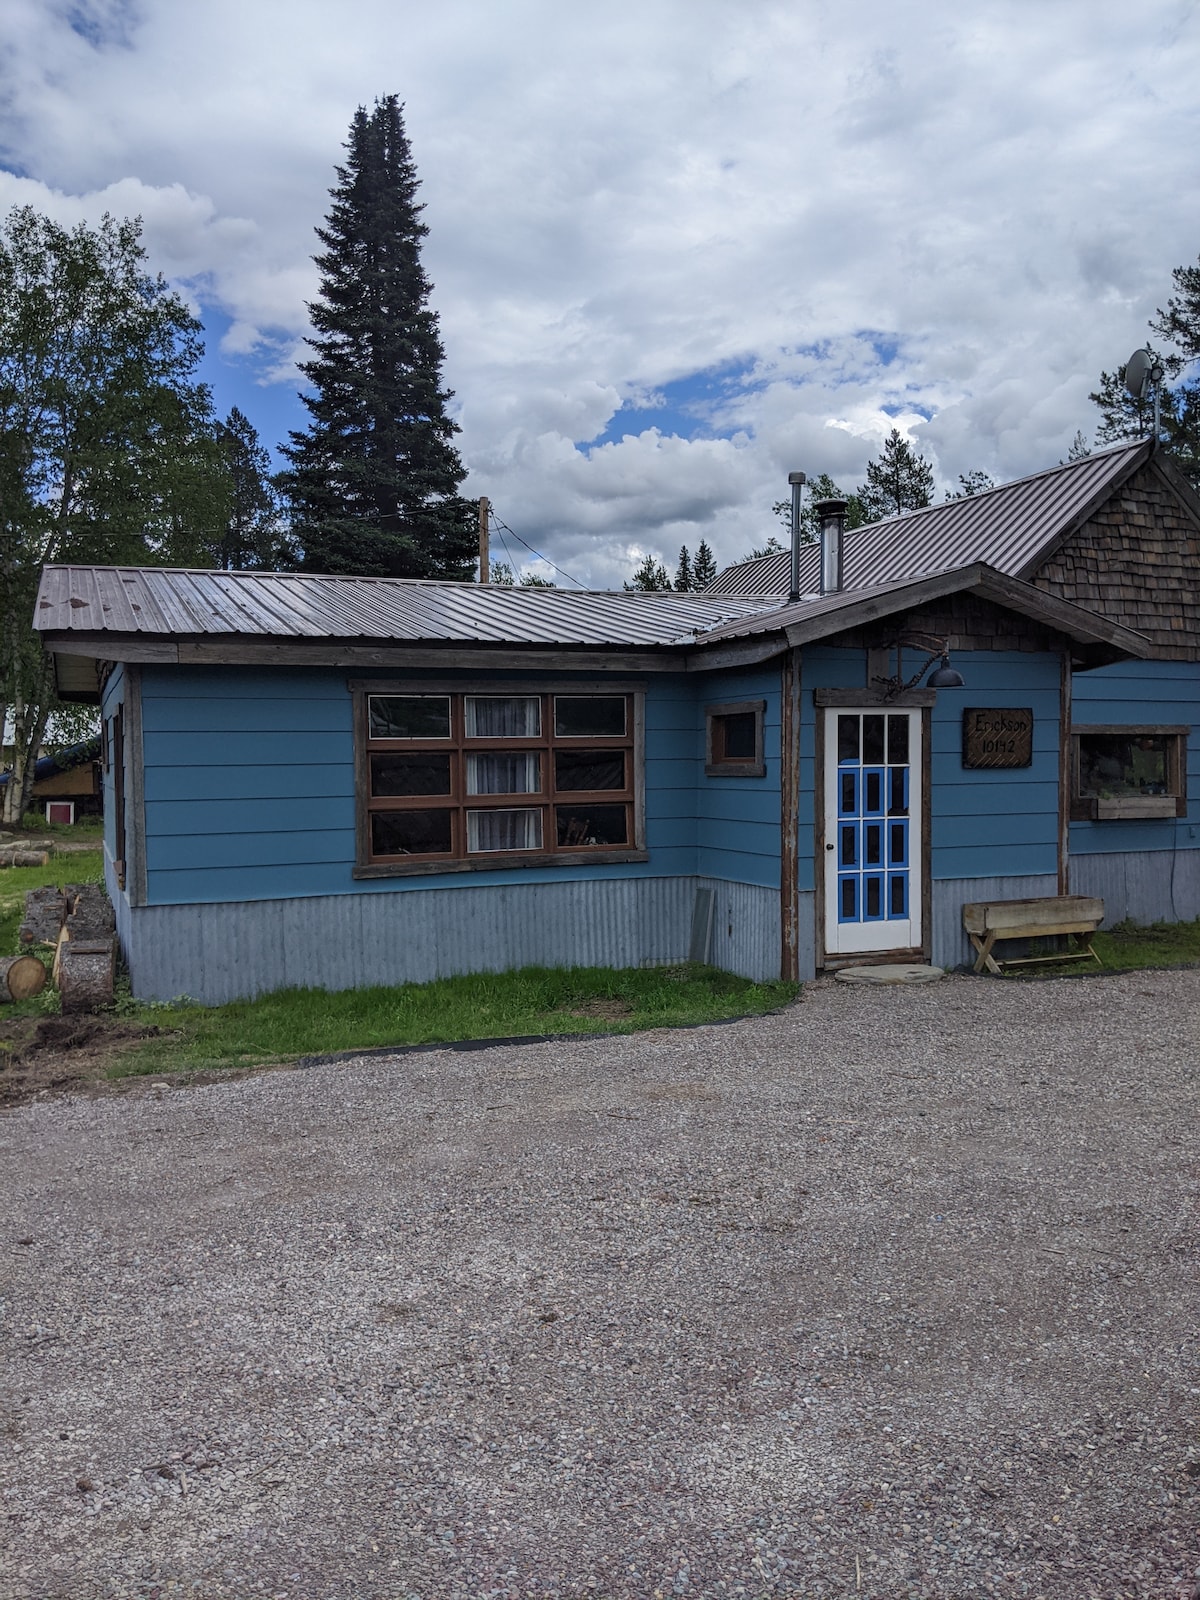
(873, 823)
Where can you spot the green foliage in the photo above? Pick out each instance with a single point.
(773, 547)
(970, 484)
(650, 576)
(704, 568)
(897, 480)
(533, 1000)
(822, 487)
(81, 866)
(109, 450)
(502, 577)
(373, 481)
(1123, 417)
(693, 573)
(255, 535)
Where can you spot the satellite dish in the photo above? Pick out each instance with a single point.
(1141, 370)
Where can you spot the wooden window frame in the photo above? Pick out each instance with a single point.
(458, 802)
(1128, 808)
(716, 763)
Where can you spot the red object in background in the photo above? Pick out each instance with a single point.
(60, 811)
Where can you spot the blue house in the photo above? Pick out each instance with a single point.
(341, 781)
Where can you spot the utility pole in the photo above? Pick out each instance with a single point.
(485, 562)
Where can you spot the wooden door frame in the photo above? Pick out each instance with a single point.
(829, 701)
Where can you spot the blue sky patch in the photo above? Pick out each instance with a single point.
(686, 406)
(273, 408)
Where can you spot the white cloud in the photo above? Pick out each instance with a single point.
(876, 214)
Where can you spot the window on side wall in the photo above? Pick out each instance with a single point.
(452, 780)
(733, 744)
(1124, 772)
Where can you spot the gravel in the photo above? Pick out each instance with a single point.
(890, 1295)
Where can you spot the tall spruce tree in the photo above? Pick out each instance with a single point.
(373, 482)
(899, 480)
(704, 568)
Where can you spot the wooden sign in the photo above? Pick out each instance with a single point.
(998, 737)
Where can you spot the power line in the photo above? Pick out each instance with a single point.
(532, 551)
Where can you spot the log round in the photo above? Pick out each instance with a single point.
(21, 977)
(85, 973)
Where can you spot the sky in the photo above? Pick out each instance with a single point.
(679, 247)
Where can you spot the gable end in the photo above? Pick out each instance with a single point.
(1136, 560)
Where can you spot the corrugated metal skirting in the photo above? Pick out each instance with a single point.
(951, 947)
(216, 953)
(1141, 885)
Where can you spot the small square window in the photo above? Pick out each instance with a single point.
(1125, 773)
(734, 740)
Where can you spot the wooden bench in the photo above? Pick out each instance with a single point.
(990, 920)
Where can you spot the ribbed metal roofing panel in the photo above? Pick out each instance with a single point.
(184, 603)
(1008, 527)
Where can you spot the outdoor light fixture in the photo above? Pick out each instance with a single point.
(945, 677)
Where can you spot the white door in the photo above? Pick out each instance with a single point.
(872, 844)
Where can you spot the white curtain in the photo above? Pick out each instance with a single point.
(504, 830)
(490, 717)
(504, 772)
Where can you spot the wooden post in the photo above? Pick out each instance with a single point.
(485, 560)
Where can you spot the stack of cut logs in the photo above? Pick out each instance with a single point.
(78, 921)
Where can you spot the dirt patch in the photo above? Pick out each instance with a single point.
(40, 1055)
(600, 1007)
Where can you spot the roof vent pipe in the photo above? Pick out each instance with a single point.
(831, 515)
(797, 481)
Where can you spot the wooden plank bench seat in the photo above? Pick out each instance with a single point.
(987, 921)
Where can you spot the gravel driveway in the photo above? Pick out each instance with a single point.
(891, 1295)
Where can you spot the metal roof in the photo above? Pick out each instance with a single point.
(1011, 528)
(183, 603)
(816, 616)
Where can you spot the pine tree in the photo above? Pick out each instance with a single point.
(822, 487)
(704, 568)
(1179, 324)
(1079, 448)
(899, 480)
(650, 577)
(254, 536)
(684, 579)
(373, 483)
(970, 484)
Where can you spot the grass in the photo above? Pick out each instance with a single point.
(295, 1022)
(1161, 944)
(1125, 947)
(88, 830)
(83, 866)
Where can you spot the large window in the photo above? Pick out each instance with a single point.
(1128, 772)
(462, 778)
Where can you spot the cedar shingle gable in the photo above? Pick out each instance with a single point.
(1136, 560)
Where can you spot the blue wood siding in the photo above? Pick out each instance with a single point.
(738, 819)
(984, 824)
(249, 788)
(1001, 824)
(1149, 693)
(821, 667)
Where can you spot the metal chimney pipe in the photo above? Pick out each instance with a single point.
(797, 481)
(831, 514)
